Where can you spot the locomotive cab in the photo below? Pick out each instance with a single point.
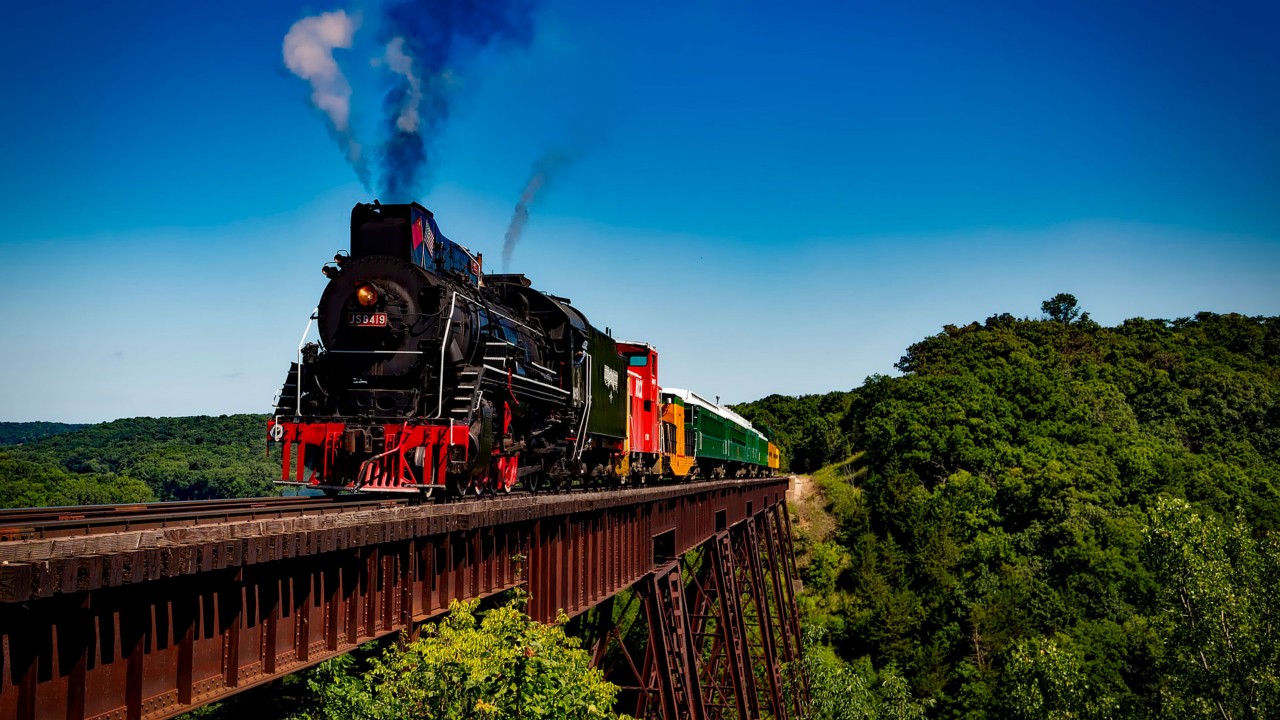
(409, 231)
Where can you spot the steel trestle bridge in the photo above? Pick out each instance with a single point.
(133, 612)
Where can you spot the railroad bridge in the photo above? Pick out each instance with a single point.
(131, 612)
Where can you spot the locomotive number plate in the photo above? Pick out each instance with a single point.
(367, 320)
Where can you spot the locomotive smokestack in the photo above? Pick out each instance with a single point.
(544, 170)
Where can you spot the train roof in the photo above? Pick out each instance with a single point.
(692, 398)
(638, 343)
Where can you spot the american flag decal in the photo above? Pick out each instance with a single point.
(429, 236)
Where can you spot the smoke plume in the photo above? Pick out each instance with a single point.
(544, 171)
(429, 42)
(427, 47)
(308, 53)
(401, 64)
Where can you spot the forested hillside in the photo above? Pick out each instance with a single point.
(140, 459)
(1050, 518)
(17, 433)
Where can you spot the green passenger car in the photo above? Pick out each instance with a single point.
(722, 440)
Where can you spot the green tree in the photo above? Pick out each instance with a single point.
(840, 690)
(501, 666)
(1063, 308)
(822, 443)
(1219, 612)
(1047, 682)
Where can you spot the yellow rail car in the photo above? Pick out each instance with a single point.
(674, 434)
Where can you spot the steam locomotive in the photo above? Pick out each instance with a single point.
(429, 374)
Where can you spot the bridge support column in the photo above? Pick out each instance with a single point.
(723, 631)
(671, 643)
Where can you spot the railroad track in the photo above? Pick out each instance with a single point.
(46, 523)
(70, 521)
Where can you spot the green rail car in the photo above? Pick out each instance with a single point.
(717, 434)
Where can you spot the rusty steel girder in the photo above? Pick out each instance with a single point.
(722, 639)
(153, 623)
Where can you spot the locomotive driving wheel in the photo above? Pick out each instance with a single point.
(460, 484)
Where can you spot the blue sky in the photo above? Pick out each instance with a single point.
(781, 199)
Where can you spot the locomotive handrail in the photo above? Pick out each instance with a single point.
(297, 408)
(444, 345)
(377, 352)
(530, 380)
(489, 309)
(586, 409)
(543, 368)
(507, 343)
(476, 396)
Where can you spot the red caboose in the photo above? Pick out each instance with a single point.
(643, 409)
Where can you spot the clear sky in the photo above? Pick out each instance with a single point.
(779, 196)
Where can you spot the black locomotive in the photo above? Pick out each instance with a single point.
(429, 373)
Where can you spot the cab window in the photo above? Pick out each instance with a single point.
(637, 360)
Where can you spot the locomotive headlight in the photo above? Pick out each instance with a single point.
(366, 295)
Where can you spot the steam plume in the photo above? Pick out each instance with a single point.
(429, 43)
(308, 53)
(401, 64)
(544, 171)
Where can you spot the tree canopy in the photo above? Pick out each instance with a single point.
(1063, 308)
(17, 433)
(501, 665)
(1029, 506)
(141, 459)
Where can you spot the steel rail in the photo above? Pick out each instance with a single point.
(67, 521)
(79, 520)
(54, 511)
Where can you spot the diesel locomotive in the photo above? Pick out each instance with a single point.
(429, 375)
